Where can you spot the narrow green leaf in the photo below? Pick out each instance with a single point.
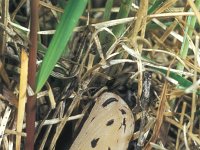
(123, 12)
(191, 21)
(155, 6)
(106, 17)
(183, 83)
(108, 7)
(69, 19)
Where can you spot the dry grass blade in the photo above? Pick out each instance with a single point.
(158, 147)
(4, 75)
(141, 14)
(50, 6)
(4, 20)
(168, 31)
(181, 122)
(185, 137)
(112, 48)
(165, 6)
(46, 135)
(4, 122)
(194, 137)
(196, 11)
(22, 2)
(22, 95)
(160, 112)
(63, 122)
(194, 97)
(51, 96)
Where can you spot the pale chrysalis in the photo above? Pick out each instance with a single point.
(109, 126)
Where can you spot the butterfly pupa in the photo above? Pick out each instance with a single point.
(109, 126)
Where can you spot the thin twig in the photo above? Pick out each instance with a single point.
(31, 102)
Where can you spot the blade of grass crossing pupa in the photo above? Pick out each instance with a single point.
(69, 19)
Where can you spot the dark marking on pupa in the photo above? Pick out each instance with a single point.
(110, 122)
(123, 111)
(92, 119)
(94, 142)
(124, 124)
(108, 101)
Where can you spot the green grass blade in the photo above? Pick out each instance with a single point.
(123, 12)
(69, 19)
(182, 82)
(108, 7)
(106, 17)
(155, 6)
(191, 21)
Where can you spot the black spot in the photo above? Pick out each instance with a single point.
(109, 148)
(110, 122)
(124, 124)
(92, 119)
(108, 101)
(123, 111)
(94, 142)
(124, 121)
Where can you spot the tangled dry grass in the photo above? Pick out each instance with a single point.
(164, 44)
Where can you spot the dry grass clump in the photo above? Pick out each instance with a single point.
(147, 53)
